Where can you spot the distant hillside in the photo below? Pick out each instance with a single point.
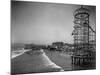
(16, 46)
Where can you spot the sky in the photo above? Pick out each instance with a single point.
(43, 23)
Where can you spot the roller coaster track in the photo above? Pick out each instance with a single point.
(92, 29)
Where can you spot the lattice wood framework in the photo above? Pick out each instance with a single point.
(83, 33)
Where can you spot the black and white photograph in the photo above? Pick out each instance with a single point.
(52, 37)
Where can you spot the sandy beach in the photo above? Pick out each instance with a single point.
(33, 63)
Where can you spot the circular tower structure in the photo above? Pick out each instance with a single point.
(81, 28)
